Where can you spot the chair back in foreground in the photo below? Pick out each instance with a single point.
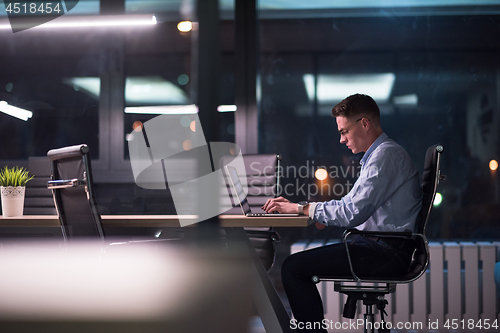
(73, 192)
(147, 287)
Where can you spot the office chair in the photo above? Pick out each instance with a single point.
(374, 295)
(74, 196)
(73, 192)
(262, 173)
(39, 199)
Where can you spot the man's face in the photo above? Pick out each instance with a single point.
(351, 133)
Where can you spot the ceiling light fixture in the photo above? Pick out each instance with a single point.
(406, 100)
(69, 21)
(163, 109)
(139, 90)
(174, 109)
(15, 111)
(227, 108)
(332, 88)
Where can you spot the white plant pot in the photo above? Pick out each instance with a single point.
(12, 201)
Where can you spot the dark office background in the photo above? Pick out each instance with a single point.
(440, 67)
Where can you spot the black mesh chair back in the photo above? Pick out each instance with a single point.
(263, 184)
(263, 179)
(430, 180)
(73, 192)
(39, 200)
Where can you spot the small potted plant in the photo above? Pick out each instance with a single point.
(12, 186)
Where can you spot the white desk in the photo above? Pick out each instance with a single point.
(153, 221)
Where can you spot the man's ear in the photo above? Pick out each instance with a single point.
(366, 123)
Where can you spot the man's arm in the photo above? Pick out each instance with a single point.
(380, 178)
(281, 205)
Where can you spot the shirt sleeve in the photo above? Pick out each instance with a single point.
(380, 177)
(312, 208)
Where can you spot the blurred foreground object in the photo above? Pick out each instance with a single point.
(144, 287)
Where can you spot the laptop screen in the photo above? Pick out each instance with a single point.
(239, 194)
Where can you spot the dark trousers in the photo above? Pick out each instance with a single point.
(370, 257)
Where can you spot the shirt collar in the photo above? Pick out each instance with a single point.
(374, 146)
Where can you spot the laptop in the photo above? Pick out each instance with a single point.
(241, 197)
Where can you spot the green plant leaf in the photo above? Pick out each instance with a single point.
(14, 176)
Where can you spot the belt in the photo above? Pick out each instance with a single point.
(400, 243)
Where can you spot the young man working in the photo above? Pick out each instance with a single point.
(386, 197)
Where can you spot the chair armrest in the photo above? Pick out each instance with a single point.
(376, 233)
(57, 184)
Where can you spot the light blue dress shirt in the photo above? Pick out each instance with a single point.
(386, 197)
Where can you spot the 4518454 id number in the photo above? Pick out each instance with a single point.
(35, 8)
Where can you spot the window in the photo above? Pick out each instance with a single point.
(65, 111)
(434, 74)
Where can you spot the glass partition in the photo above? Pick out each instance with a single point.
(61, 94)
(431, 65)
(434, 71)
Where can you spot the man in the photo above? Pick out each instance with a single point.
(386, 197)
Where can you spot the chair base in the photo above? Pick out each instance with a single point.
(370, 296)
